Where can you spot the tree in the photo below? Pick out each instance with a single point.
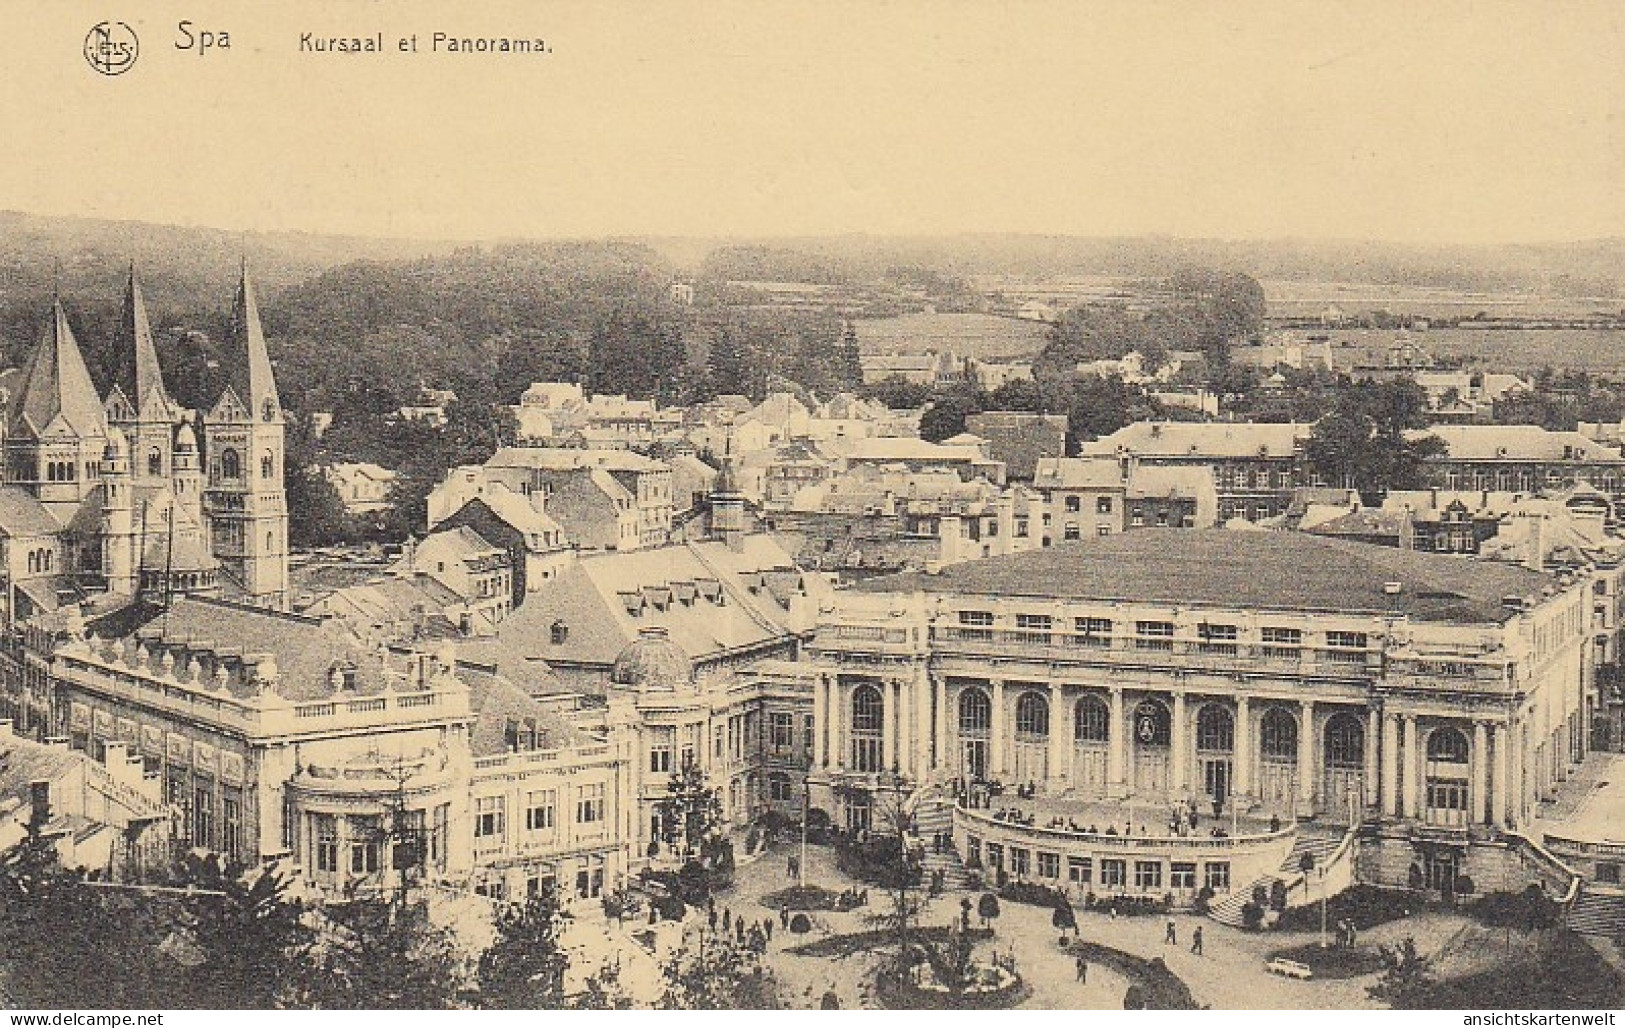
(1368, 441)
(251, 936)
(946, 415)
(1064, 920)
(987, 908)
(900, 877)
(524, 967)
(897, 393)
(381, 956)
(1406, 976)
(710, 972)
(603, 991)
(691, 812)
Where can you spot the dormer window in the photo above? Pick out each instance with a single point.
(559, 632)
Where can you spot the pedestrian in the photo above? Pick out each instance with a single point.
(1169, 935)
(784, 915)
(739, 931)
(710, 917)
(1083, 970)
(790, 866)
(1196, 941)
(768, 927)
(727, 920)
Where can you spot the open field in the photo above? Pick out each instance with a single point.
(969, 335)
(1299, 298)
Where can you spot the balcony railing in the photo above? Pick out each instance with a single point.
(1181, 651)
(982, 822)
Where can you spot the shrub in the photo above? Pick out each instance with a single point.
(1204, 900)
(654, 849)
(1277, 895)
(1001, 878)
(1134, 998)
(800, 924)
(1464, 885)
(987, 908)
(1033, 894)
(1261, 894)
(1063, 919)
(973, 863)
(1252, 915)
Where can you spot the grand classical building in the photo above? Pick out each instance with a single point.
(1435, 700)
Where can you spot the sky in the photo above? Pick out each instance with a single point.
(1424, 123)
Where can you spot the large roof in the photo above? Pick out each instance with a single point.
(1520, 442)
(249, 362)
(1199, 439)
(1240, 570)
(23, 515)
(57, 385)
(136, 370)
(554, 458)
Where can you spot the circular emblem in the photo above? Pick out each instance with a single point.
(111, 48)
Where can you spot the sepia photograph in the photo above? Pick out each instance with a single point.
(699, 505)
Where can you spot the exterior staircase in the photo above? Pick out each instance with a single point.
(1598, 914)
(1227, 911)
(933, 813)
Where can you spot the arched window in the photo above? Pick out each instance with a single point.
(975, 712)
(1447, 745)
(155, 462)
(1278, 735)
(868, 721)
(1092, 720)
(1153, 725)
(47, 560)
(33, 562)
(268, 410)
(1032, 715)
(1345, 742)
(267, 466)
(270, 542)
(231, 465)
(1215, 729)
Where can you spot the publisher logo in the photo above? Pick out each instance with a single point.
(111, 48)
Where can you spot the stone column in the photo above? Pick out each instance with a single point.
(1117, 745)
(1180, 745)
(1500, 795)
(1517, 790)
(1478, 786)
(905, 727)
(1306, 756)
(838, 712)
(820, 753)
(946, 724)
(1243, 785)
(889, 724)
(1390, 765)
(1059, 739)
(998, 730)
(924, 763)
(1410, 805)
(1373, 730)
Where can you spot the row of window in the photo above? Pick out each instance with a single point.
(1108, 872)
(1156, 635)
(491, 812)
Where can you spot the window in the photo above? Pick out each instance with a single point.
(1103, 505)
(778, 787)
(1220, 639)
(203, 816)
(1071, 531)
(718, 736)
(1113, 873)
(1021, 528)
(1217, 875)
(1033, 628)
(807, 729)
(1020, 861)
(590, 804)
(327, 842)
(1181, 875)
(155, 462)
(782, 728)
(660, 747)
(868, 719)
(540, 811)
(1278, 735)
(976, 624)
(1215, 729)
(1103, 530)
(490, 816)
(1049, 865)
(1137, 516)
(1281, 642)
(1608, 872)
(1092, 632)
(1154, 635)
(1079, 870)
(231, 465)
(366, 848)
(1032, 715)
(1074, 504)
(1148, 874)
(1346, 647)
(231, 821)
(975, 712)
(267, 465)
(1091, 720)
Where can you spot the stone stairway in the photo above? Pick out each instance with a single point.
(1228, 910)
(933, 813)
(1598, 914)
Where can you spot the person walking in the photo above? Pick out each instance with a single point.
(767, 926)
(727, 921)
(1170, 935)
(784, 915)
(1083, 971)
(1196, 941)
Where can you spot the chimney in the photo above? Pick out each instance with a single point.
(1535, 559)
(39, 800)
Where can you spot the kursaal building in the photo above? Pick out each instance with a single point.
(1397, 716)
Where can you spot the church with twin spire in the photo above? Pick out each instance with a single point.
(125, 493)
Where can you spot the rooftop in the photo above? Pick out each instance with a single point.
(1240, 570)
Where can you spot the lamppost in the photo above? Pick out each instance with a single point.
(806, 809)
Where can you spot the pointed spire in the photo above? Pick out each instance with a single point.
(250, 362)
(139, 373)
(57, 384)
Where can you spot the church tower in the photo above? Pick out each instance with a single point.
(118, 516)
(57, 431)
(138, 404)
(243, 441)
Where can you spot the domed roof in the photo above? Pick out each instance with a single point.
(653, 663)
(186, 439)
(117, 446)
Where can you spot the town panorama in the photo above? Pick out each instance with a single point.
(816, 625)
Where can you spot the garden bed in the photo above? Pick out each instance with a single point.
(860, 942)
(898, 992)
(1160, 988)
(1563, 974)
(1334, 962)
(1364, 905)
(812, 897)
